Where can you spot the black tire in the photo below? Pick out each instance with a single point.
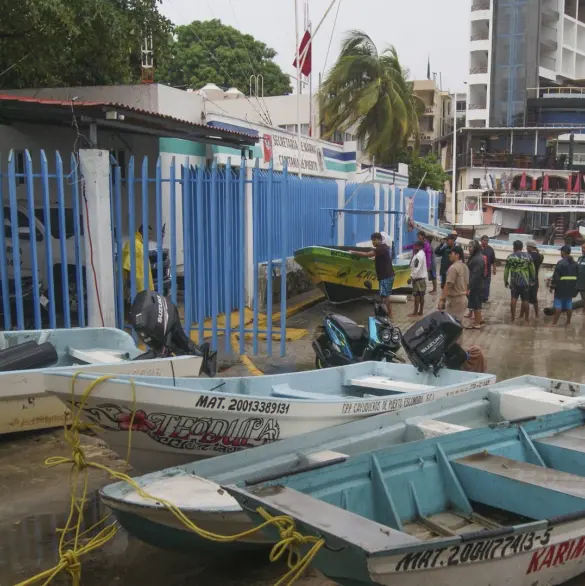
(319, 365)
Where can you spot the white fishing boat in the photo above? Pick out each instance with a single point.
(24, 404)
(195, 487)
(179, 420)
(470, 221)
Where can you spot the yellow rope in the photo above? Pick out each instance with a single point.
(71, 550)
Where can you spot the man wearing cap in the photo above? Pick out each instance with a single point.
(444, 251)
(564, 285)
(454, 293)
(537, 260)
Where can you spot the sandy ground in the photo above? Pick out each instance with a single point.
(34, 499)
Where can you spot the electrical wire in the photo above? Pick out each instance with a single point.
(331, 37)
(238, 62)
(261, 114)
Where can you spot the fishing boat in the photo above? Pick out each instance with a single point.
(470, 222)
(24, 404)
(195, 487)
(493, 506)
(502, 248)
(179, 420)
(342, 275)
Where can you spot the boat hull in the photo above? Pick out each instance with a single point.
(342, 275)
(178, 424)
(24, 404)
(195, 490)
(562, 559)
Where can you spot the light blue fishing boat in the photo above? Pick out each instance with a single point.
(25, 356)
(195, 487)
(496, 506)
(180, 420)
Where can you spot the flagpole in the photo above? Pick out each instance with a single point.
(298, 84)
(310, 27)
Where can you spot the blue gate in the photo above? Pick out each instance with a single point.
(206, 217)
(42, 273)
(359, 227)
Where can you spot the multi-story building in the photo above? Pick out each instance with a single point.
(525, 119)
(433, 121)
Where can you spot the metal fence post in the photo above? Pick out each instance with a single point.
(159, 231)
(77, 222)
(131, 228)
(269, 232)
(48, 241)
(16, 240)
(284, 205)
(214, 243)
(33, 238)
(62, 242)
(173, 235)
(227, 265)
(256, 215)
(4, 262)
(242, 199)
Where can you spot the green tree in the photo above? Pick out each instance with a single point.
(78, 42)
(371, 92)
(435, 175)
(211, 52)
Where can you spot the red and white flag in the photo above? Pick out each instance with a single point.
(307, 65)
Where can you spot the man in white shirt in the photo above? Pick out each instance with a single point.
(418, 276)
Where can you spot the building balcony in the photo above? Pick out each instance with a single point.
(508, 161)
(476, 70)
(430, 110)
(480, 5)
(479, 37)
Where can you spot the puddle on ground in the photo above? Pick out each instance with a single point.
(31, 545)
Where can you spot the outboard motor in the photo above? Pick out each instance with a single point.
(431, 343)
(157, 323)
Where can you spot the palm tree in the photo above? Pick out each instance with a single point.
(372, 91)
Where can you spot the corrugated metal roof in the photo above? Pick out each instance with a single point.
(5, 98)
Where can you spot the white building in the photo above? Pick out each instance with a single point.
(515, 49)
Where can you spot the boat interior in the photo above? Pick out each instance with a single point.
(78, 346)
(366, 380)
(521, 477)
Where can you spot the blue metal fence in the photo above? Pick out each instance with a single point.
(42, 274)
(358, 227)
(212, 204)
(309, 219)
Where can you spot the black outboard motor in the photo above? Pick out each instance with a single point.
(431, 343)
(157, 323)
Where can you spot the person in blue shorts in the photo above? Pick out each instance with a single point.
(564, 285)
(384, 269)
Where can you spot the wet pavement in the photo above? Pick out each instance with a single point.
(34, 499)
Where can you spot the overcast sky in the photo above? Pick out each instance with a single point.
(417, 28)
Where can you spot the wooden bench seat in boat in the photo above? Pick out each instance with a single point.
(526, 489)
(328, 519)
(565, 451)
(284, 391)
(384, 383)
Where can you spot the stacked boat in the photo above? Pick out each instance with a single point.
(455, 484)
(405, 477)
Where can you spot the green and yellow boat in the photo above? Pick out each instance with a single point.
(342, 275)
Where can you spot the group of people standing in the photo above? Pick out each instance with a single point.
(465, 285)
